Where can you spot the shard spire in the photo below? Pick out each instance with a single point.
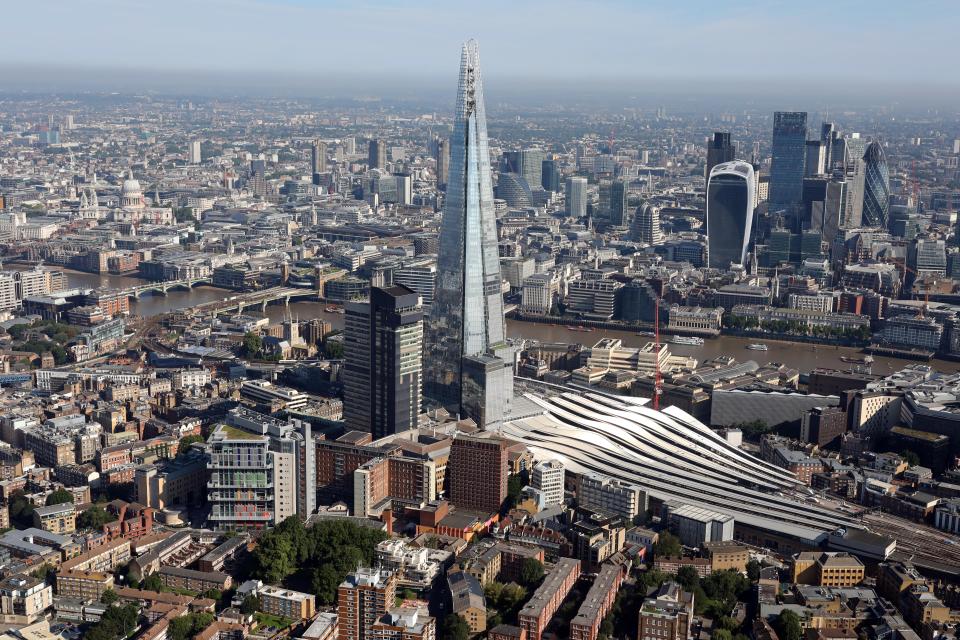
(466, 330)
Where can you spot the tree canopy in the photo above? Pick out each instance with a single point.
(454, 627)
(60, 496)
(668, 545)
(321, 556)
(188, 626)
(531, 572)
(94, 518)
(115, 623)
(787, 625)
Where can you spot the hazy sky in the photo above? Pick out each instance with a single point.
(882, 42)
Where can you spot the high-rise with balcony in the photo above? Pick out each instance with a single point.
(362, 598)
(469, 364)
(789, 158)
(262, 471)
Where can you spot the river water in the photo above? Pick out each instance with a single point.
(803, 357)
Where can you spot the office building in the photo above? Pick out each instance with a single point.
(824, 204)
(477, 473)
(547, 477)
(377, 155)
(514, 190)
(258, 177)
(598, 491)
(646, 224)
(789, 156)
(719, 150)
(195, 157)
(816, 159)
(876, 187)
(696, 525)
(362, 599)
(469, 364)
(576, 197)
(839, 570)
(849, 154)
(730, 213)
(550, 176)
(383, 361)
(617, 213)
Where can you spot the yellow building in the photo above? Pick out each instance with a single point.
(57, 518)
(727, 555)
(827, 569)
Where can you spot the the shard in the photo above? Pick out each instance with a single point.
(469, 369)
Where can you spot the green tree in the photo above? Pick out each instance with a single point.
(688, 577)
(454, 627)
(152, 583)
(250, 604)
(668, 545)
(252, 345)
(213, 594)
(787, 625)
(722, 634)
(109, 597)
(531, 572)
(333, 349)
(188, 626)
(753, 570)
(21, 510)
(910, 457)
(60, 496)
(184, 445)
(94, 518)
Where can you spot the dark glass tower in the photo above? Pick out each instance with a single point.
(789, 158)
(876, 187)
(730, 197)
(468, 370)
(383, 361)
(719, 151)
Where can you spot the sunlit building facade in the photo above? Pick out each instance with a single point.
(730, 200)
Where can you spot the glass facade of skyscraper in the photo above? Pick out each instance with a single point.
(789, 158)
(876, 187)
(467, 314)
(729, 213)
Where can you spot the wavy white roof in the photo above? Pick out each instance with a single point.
(672, 456)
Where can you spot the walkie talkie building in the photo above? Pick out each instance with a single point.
(729, 213)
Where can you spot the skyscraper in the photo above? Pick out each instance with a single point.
(377, 154)
(816, 162)
(318, 158)
(646, 224)
(258, 177)
(514, 189)
(195, 155)
(576, 197)
(876, 187)
(618, 215)
(729, 213)
(718, 151)
(533, 166)
(550, 176)
(854, 169)
(469, 371)
(828, 135)
(383, 361)
(789, 154)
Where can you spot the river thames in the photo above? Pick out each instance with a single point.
(803, 357)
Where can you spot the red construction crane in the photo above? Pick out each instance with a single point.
(657, 380)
